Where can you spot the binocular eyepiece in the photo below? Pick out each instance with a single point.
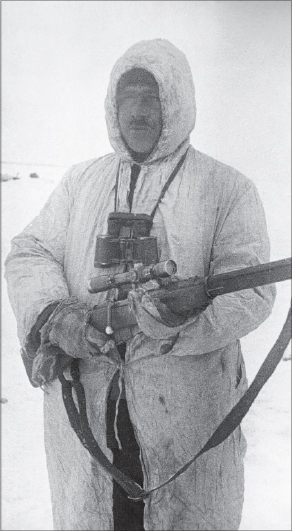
(126, 224)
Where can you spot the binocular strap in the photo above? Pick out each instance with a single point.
(165, 187)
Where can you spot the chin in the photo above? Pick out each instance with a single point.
(139, 141)
(139, 147)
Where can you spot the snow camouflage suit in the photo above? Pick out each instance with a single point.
(210, 220)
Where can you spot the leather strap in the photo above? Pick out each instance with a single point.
(168, 182)
(164, 189)
(80, 425)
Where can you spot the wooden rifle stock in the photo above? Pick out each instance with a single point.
(183, 296)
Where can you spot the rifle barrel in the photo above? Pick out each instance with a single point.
(192, 293)
(250, 277)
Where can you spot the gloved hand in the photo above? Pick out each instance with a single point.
(67, 334)
(154, 318)
(68, 328)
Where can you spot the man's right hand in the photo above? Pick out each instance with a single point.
(67, 334)
(68, 328)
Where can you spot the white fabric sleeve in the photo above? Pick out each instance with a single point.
(240, 241)
(34, 266)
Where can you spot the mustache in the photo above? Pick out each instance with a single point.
(140, 122)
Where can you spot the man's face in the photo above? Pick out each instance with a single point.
(140, 117)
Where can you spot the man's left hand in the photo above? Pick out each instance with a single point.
(154, 318)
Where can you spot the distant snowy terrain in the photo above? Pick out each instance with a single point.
(25, 489)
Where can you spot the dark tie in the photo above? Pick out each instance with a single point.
(135, 170)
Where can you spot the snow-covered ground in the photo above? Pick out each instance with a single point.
(25, 490)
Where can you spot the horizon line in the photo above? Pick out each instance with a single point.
(35, 164)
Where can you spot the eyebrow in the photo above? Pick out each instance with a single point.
(137, 88)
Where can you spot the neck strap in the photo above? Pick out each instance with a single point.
(168, 183)
(164, 189)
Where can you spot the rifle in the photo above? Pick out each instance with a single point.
(181, 297)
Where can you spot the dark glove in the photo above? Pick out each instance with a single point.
(66, 335)
(154, 318)
(68, 328)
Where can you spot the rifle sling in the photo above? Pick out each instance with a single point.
(80, 425)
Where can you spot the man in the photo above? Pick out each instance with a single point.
(154, 400)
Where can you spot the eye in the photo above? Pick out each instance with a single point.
(152, 99)
(125, 97)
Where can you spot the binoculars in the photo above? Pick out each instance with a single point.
(127, 241)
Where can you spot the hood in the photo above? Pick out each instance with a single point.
(172, 72)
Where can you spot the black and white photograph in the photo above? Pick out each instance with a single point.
(146, 265)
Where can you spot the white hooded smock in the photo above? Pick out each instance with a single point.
(210, 220)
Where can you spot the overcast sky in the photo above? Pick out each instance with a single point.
(57, 57)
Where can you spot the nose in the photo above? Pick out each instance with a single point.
(139, 108)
